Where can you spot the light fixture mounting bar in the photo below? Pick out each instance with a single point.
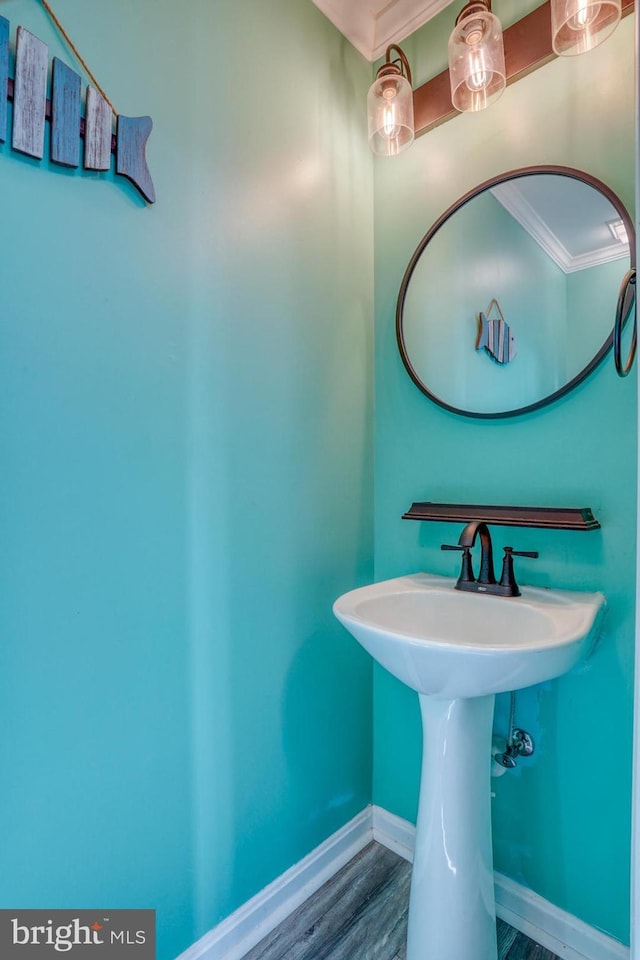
(527, 46)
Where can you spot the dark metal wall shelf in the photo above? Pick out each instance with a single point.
(551, 518)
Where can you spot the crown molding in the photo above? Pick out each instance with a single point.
(370, 30)
(399, 19)
(521, 210)
(354, 21)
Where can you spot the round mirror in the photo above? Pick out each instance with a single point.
(509, 300)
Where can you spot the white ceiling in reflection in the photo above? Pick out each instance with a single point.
(569, 219)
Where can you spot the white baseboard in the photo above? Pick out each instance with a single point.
(558, 931)
(393, 832)
(553, 928)
(235, 936)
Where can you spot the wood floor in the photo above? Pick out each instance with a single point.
(361, 914)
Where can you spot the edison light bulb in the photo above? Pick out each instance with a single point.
(578, 26)
(476, 58)
(389, 124)
(480, 69)
(585, 15)
(390, 111)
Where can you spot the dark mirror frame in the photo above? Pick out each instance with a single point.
(573, 174)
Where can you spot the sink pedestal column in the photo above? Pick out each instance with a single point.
(452, 906)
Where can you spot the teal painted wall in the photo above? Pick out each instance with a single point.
(186, 436)
(562, 820)
(589, 292)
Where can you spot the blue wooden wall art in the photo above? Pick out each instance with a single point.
(31, 108)
(495, 335)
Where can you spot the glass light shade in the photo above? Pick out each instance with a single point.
(476, 60)
(390, 111)
(578, 26)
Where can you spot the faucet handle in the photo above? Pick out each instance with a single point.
(466, 571)
(508, 579)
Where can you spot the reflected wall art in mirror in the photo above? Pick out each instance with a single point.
(509, 301)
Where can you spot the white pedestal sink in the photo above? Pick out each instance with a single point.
(458, 650)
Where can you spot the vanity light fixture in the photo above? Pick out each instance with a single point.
(491, 61)
(390, 106)
(476, 58)
(578, 26)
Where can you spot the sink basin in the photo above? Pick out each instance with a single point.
(450, 644)
(458, 650)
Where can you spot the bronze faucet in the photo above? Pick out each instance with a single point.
(486, 581)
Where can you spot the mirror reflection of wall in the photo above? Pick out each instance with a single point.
(543, 246)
